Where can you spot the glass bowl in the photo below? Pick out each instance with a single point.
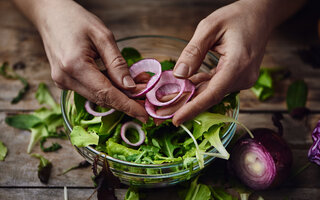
(150, 175)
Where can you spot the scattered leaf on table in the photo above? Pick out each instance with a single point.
(132, 194)
(23, 121)
(3, 151)
(263, 88)
(297, 98)
(82, 164)
(44, 168)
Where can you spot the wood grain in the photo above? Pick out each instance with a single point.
(21, 42)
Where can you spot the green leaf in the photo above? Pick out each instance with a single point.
(54, 147)
(131, 55)
(167, 65)
(198, 191)
(3, 151)
(263, 88)
(166, 143)
(219, 193)
(23, 121)
(118, 149)
(297, 95)
(95, 120)
(213, 136)
(132, 194)
(109, 122)
(44, 168)
(81, 138)
(37, 132)
(207, 120)
(22, 91)
(44, 97)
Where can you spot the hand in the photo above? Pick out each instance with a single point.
(239, 33)
(73, 38)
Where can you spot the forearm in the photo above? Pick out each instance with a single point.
(38, 10)
(273, 12)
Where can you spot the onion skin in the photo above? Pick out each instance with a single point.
(273, 157)
(142, 66)
(90, 110)
(136, 126)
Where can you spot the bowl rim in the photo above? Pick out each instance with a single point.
(132, 164)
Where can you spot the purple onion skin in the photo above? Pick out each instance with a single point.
(273, 147)
(314, 151)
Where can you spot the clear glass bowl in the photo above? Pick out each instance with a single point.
(150, 175)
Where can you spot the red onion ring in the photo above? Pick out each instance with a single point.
(167, 78)
(136, 126)
(145, 65)
(94, 113)
(151, 109)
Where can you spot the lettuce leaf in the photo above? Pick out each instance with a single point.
(3, 151)
(81, 138)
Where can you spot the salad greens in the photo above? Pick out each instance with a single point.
(3, 151)
(43, 123)
(132, 194)
(164, 143)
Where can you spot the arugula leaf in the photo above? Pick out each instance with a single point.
(22, 91)
(54, 147)
(132, 194)
(44, 97)
(198, 191)
(208, 119)
(166, 144)
(44, 168)
(81, 138)
(9, 73)
(109, 122)
(167, 65)
(219, 193)
(297, 95)
(82, 164)
(131, 55)
(213, 136)
(37, 132)
(3, 151)
(81, 113)
(263, 88)
(23, 121)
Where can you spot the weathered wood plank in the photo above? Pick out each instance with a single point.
(159, 194)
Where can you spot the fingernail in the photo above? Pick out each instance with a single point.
(128, 82)
(181, 70)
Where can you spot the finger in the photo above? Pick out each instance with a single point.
(116, 65)
(218, 87)
(200, 77)
(193, 54)
(102, 92)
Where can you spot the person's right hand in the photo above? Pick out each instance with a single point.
(73, 38)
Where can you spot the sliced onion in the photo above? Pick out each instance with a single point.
(89, 109)
(145, 65)
(151, 109)
(136, 126)
(167, 80)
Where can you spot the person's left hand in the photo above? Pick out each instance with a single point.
(240, 37)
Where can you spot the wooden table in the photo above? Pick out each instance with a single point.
(19, 41)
